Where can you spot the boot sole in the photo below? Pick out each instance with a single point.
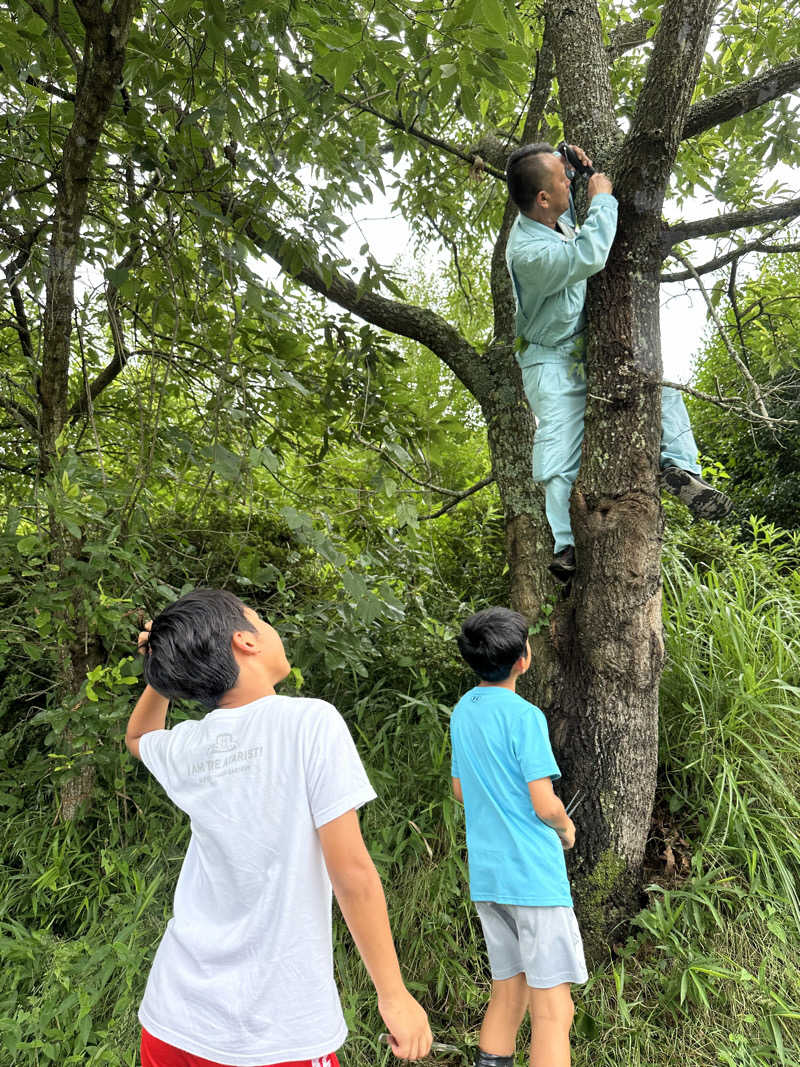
(702, 500)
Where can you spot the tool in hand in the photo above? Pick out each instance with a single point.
(437, 1046)
(574, 803)
(574, 162)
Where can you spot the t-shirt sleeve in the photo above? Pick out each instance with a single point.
(454, 771)
(335, 777)
(155, 750)
(532, 747)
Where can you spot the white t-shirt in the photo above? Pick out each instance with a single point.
(244, 972)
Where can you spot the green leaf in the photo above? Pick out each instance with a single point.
(491, 14)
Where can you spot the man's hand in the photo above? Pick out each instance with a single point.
(599, 183)
(410, 1035)
(567, 836)
(579, 152)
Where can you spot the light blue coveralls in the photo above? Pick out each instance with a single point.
(548, 270)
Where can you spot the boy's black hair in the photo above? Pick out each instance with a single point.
(491, 641)
(527, 173)
(188, 654)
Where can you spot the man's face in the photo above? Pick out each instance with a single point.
(558, 189)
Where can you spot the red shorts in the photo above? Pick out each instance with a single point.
(156, 1053)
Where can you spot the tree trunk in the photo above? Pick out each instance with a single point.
(608, 632)
(98, 78)
(99, 75)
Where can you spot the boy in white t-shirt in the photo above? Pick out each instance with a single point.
(244, 973)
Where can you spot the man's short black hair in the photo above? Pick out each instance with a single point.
(527, 173)
(188, 654)
(491, 641)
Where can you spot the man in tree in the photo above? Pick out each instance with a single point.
(549, 264)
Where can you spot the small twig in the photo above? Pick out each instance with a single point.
(726, 340)
(734, 404)
(401, 469)
(460, 496)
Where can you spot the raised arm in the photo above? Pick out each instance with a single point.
(547, 270)
(359, 892)
(149, 714)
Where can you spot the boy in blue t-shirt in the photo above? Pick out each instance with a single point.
(517, 831)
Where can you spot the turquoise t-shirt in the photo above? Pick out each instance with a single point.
(500, 743)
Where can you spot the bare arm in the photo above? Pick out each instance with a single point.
(359, 892)
(457, 789)
(551, 811)
(149, 714)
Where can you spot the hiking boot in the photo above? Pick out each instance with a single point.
(563, 565)
(702, 499)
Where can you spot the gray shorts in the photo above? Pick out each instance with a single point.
(545, 943)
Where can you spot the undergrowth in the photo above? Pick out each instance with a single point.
(707, 974)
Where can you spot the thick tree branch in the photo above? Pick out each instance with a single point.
(757, 245)
(22, 325)
(651, 144)
(734, 220)
(21, 415)
(300, 259)
(502, 294)
(587, 102)
(51, 88)
(412, 131)
(100, 73)
(742, 98)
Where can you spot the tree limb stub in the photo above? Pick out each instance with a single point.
(738, 100)
(734, 220)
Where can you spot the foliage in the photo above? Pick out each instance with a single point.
(762, 461)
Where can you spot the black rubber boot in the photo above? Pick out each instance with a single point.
(488, 1059)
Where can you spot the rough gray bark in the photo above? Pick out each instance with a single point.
(99, 74)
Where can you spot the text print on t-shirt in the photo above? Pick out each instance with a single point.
(223, 758)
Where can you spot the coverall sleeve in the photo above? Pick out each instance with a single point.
(549, 268)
